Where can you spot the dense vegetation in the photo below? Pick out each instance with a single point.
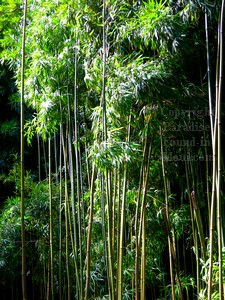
(112, 169)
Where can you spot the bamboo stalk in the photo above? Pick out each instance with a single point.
(143, 255)
(88, 252)
(137, 245)
(60, 212)
(214, 175)
(115, 181)
(141, 234)
(118, 222)
(23, 240)
(209, 75)
(78, 169)
(218, 188)
(66, 205)
(51, 220)
(102, 178)
(166, 215)
(122, 229)
(56, 158)
(39, 158)
(122, 224)
(104, 139)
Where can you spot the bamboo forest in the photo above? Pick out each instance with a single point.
(112, 132)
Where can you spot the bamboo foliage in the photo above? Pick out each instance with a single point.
(105, 75)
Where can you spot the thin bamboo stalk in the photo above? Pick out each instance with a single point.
(122, 224)
(78, 170)
(218, 188)
(88, 251)
(214, 177)
(39, 158)
(56, 158)
(143, 255)
(115, 181)
(137, 246)
(23, 240)
(170, 243)
(51, 219)
(122, 229)
(118, 222)
(66, 206)
(144, 184)
(60, 213)
(209, 74)
(102, 180)
(104, 139)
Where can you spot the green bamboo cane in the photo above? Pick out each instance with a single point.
(78, 167)
(138, 204)
(122, 223)
(214, 176)
(89, 236)
(209, 75)
(193, 226)
(143, 255)
(218, 193)
(122, 229)
(60, 211)
(115, 180)
(106, 260)
(66, 207)
(118, 220)
(23, 240)
(39, 158)
(166, 217)
(50, 219)
(107, 179)
(56, 158)
(141, 234)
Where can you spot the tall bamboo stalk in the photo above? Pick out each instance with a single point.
(122, 224)
(23, 240)
(108, 178)
(142, 234)
(66, 206)
(122, 229)
(60, 212)
(102, 181)
(118, 219)
(78, 168)
(88, 252)
(167, 217)
(50, 219)
(209, 74)
(39, 158)
(115, 182)
(143, 255)
(214, 171)
(56, 158)
(138, 204)
(218, 192)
